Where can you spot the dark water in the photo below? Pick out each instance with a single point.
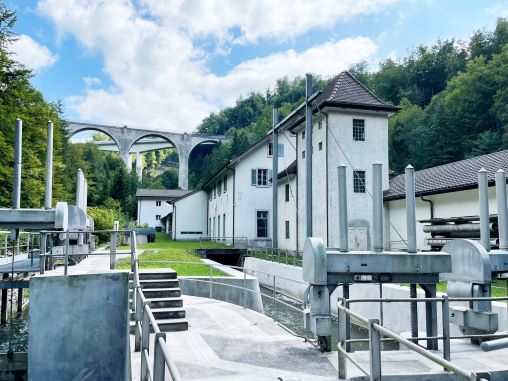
(19, 334)
(293, 320)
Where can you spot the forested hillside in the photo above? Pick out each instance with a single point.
(453, 97)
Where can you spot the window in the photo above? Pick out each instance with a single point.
(359, 181)
(270, 149)
(158, 203)
(158, 217)
(218, 226)
(287, 229)
(303, 135)
(213, 227)
(287, 192)
(280, 152)
(219, 187)
(224, 225)
(225, 184)
(260, 177)
(214, 192)
(320, 124)
(262, 224)
(320, 146)
(359, 130)
(303, 154)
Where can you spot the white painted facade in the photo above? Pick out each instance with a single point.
(152, 210)
(189, 216)
(328, 133)
(287, 212)
(452, 204)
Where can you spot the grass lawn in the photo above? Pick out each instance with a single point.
(165, 249)
(498, 288)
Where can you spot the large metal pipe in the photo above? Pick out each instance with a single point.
(455, 228)
(344, 239)
(18, 151)
(49, 167)
(377, 207)
(492, 345)
(502, 210)
(308, 156)
(483, 189)
(275, 171)
(410, 209)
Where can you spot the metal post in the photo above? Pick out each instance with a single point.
(138, 316)
(112, 244)
(3, 318)
(42, 253)
(275, 171)
(159, 364)
(502, 212)
(483, 188)
(342, 365)
(345, 295)
(344, 239)
(381, 303)
(18, 147)
(49, 167)
(446, 327)
(308, 156)
(20, 300)
(79, 188)
(413, 307)
(410, 209)
(274, 297)
(377, 198)
(6, 245)
(430, 315)
(210, 280)
(145, 340)
(243, 290)
(374, 351)
(66, 258)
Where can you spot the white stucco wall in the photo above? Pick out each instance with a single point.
(221, 205)
(358, 154)
(147, 211)
(453, 204)
(287, 212)
(190, 216)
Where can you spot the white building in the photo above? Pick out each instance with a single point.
(154, 207)
(350, 126)
(239, 197)
(189, 217)
(446, 191)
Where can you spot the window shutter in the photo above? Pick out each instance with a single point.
(281, 150)
(270, 177)
(253, 177)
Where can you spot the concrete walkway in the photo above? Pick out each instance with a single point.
(228, 342)
(91, 263)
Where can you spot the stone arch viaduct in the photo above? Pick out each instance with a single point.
(125, 138)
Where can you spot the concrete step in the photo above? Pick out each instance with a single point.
(159, 283)
(162, 292)
(165, 302)
(173, 325)
(157, 274)
(168, 313)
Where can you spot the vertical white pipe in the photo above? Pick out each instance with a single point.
(275, 171)
(308, 154)
(79, 188)
(377, 208)
(410, 209)
(18, 152)
(502, 210)
(344, 239)
(49, 167)
(483, 189)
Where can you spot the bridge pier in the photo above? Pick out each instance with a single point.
(139, 165)
(183, 170)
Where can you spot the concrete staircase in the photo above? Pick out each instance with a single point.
(161, 288)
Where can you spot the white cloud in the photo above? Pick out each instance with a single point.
(160, 75)
(92, 81)
(31, 54)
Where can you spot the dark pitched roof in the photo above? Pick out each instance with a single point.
(290, 170)
(452, 177)
(162, 193)
(344, 91)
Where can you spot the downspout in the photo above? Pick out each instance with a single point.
(431, 206)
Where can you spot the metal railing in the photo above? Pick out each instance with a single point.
(288, 257)
(236, 241)
(378, 333)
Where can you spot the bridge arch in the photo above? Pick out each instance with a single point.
(74, 131)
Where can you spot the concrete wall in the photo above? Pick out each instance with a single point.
(148, 209)
(79, 327)
(453, 204)
(396, 315)
(200, 286)
(189, 217)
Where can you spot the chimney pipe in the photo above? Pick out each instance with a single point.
(483, 188)
(18, 151)
(410, 209)
(49, 167)
(377, 207)
(502, 212)
(344, 239)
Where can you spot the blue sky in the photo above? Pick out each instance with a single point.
(167, 64)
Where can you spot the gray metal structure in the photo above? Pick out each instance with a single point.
(325, 269)
(275, 172)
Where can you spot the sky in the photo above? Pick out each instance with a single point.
(167, 64)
